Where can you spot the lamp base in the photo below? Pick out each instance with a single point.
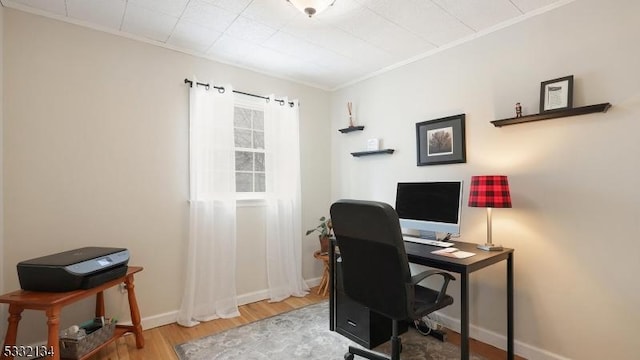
(490, 247)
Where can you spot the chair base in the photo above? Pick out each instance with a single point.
(396, 348)
(368, 354)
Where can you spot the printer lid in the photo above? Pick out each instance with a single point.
(72, 256)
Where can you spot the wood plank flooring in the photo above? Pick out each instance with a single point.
(159, 342)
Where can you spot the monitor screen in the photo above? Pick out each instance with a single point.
(430, 206)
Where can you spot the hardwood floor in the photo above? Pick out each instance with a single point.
(159, 342)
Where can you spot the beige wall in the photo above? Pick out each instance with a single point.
(96, 131)
(574, 181)
(2, 308)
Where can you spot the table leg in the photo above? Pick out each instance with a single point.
(135, 313)
(320, 285)
(15, 314)
(99, 304)
(53, 324)
(325, 276)
(510, 325)
(464, 316)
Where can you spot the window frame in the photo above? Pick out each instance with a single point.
(250, 198)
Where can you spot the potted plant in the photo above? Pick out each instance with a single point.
(324, 229)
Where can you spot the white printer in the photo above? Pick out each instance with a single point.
(81, 268)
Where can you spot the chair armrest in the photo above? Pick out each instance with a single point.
(425, 274)
(415, 279)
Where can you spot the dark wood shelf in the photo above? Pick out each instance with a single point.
(351, 128)
(376, 152)
(554, 114)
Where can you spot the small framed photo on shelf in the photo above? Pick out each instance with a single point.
(556, 94)
(441, 141)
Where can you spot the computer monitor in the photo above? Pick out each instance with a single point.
(428, 208)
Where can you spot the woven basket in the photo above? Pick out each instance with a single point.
(75, 349)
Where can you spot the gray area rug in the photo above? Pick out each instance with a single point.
(302, 334)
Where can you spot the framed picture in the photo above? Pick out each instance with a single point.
(556, 94)
(441, 141)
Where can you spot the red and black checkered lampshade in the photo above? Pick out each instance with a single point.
(491, 191)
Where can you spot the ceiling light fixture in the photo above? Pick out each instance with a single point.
(312, 7)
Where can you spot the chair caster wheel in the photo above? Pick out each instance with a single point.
(348, 356)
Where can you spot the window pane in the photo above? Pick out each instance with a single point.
(242, 118)
(249, 134)
(258, 120)
(259, 161)
(244, 161)
(258, 140)
(242, 138)
(260, 187)
(244, 182)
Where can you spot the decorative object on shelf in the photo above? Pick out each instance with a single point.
(373, 144)
(518, 110)
(77, 347)
(489, 191)
(556, 94)
(325, 229)
(441, 141)
(350, 110)
(365, 153)
(351, 128)
(554, 114)
(312, 7)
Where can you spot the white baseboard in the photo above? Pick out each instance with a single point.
(525, 350)
(167, 318)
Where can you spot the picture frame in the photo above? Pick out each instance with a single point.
(556, 94)
(441, 141)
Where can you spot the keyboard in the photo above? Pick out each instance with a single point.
(427, 241)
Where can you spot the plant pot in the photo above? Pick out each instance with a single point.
(324, 243)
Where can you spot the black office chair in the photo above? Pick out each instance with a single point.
(375, 269)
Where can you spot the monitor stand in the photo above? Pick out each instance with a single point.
(429, 235)
(426, 234)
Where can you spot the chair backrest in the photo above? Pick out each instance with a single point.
(375, 269)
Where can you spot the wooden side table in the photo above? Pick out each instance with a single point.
(324, 282)
(52, 303)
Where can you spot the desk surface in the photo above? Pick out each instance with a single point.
(421, 254)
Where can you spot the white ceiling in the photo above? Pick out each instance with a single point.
(350, 41)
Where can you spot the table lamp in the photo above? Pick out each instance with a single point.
(489, 191)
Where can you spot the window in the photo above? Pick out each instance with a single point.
(248, 123)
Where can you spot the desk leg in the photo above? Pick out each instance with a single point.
(510, 325)
(464, 316)
(53, 323)
(15, 314)
(332, 284)
(135, 313)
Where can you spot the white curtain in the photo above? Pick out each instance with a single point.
(210, 287)
(284, 228)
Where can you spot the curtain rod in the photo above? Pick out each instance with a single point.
(222, 90)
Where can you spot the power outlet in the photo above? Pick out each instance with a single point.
(123, 288)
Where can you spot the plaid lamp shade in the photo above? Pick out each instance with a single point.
(489, 191)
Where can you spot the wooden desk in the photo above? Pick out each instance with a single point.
(52, 303)
(421, 254)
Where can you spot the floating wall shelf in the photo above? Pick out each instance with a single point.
(554, 114)
(376, 152)
(351, 128)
